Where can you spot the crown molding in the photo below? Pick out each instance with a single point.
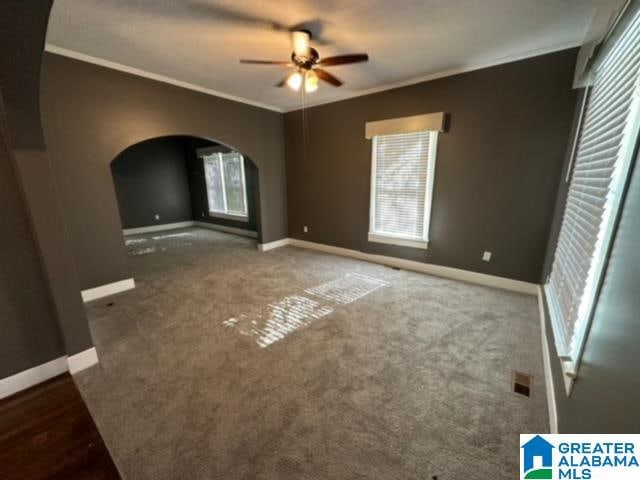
(359, 93)
(83, 57)
(444, 73)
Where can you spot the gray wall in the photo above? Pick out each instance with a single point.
(91, 114)
(29, 332)
(151, 178)
(41, 313)
(497, 170)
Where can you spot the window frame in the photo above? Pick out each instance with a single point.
(399, 239)
(225, 214)
(571, 349)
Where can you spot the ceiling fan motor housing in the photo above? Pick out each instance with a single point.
(305, 62)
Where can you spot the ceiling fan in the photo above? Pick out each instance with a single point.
(308, 65)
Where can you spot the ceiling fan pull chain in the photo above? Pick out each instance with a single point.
(303, 97)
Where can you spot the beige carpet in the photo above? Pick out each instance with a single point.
(227, 363)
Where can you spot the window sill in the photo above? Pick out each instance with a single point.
(403, 242)
(238, 218)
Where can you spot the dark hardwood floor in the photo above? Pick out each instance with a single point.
(46, 432)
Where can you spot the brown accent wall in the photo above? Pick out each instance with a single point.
(497, 170)
(90, 114)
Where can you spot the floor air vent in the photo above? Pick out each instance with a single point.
(522, 383)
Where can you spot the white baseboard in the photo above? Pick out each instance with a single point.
(43, 372)
(430, 269)
(224, 228)
(82, 360)
(548, 374)
(106, 290)
(28, 378)
(157, 228)
(264, 247)
(173, 226)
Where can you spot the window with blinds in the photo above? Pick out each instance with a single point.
(601, 165)
(226, 187)
(403, 167)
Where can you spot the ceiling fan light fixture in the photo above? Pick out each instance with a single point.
(300, 40)
(310, 82)
(309, 67)
(295, 81)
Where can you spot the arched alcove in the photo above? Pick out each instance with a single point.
(161, 182)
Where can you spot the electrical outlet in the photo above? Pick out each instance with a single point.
(486, 256)
(157, 216)
(202, 215)
(305, 229)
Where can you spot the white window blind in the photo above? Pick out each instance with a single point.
(401, 187)
(601, 164)
(226, 188)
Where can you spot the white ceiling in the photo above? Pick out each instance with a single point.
(200, 41)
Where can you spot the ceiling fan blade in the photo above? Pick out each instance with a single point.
(265, 62)
(206, 9)
(200, 11)
(282, 82)
(327, 77)
(344, 59)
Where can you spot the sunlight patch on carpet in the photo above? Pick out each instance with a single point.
(171, 235)
(143, 251)
(277, 320)
(134, 241)
(158, 243)
(347, 289)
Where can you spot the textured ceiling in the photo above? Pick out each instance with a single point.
(200, 41)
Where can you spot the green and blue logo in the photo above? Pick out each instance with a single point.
(537, 459)
(580, 457)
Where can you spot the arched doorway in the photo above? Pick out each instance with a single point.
(181, 181)
(109, 116)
